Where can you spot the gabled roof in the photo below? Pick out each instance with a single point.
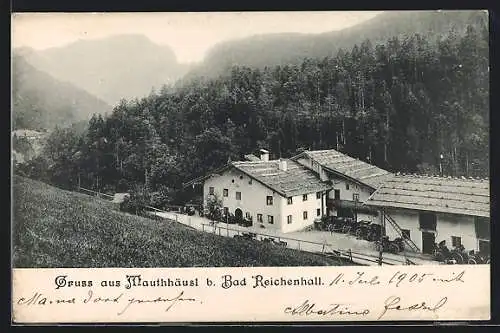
(344, 165)
(296, 180)
(437, 194)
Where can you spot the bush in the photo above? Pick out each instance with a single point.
(133, 204)
(159, 199)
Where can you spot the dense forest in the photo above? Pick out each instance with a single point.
(400, 105)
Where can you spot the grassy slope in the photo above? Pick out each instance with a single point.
(56, 228)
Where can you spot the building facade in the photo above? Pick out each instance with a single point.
(276, 195)
(428, 210)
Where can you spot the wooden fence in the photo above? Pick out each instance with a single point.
(324, 249)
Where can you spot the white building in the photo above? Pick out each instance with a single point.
(429, 210)
(353, 181)
(278, 194)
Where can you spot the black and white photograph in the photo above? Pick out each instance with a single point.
(250, 139)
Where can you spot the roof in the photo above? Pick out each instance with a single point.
(251, 157)
(437, 194)
(296, 180)
(353, 168)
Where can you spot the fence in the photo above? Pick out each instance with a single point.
(95, 193)
(324, 248)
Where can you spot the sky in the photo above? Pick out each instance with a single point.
(190, 35)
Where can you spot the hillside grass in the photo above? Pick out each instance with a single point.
(57, 228)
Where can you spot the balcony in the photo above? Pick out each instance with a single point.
(349, 204)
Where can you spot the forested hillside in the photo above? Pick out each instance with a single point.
(280, 49)
(40, 101)
(399, 105)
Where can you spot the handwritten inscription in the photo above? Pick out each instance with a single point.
(39, 299)
(161, 300)
(395, 303)
(307, 309)
(397, 279)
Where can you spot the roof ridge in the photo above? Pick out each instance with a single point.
(448, 177)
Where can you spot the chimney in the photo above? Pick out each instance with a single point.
(264, 155)
(282, 164)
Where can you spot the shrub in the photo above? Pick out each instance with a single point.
(134, 204)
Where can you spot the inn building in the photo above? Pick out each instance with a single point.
(275, 194)
(428, 210)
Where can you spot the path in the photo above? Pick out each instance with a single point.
(311, 241)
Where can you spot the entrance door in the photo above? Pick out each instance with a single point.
(428, 241)
(238, 214)
(337, 194)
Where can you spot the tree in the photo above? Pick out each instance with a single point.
(214, 207)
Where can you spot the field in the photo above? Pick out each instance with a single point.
(57, 228)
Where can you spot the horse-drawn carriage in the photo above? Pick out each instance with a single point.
(458, 255)
(394, 246)
(362, 229)
(246, 236)
(273, 241)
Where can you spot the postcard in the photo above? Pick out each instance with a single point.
(245, 167)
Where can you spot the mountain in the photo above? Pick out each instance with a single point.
(123, 66)
(280, 49)
(40, 101)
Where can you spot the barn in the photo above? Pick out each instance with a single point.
(431, 209)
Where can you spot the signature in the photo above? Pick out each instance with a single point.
(171, 301)
(306, 308)
(393, 303)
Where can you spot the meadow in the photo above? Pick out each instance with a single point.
(57, 228)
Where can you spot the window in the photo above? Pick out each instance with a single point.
(241, 177)
(250, 182)
(406, 233)
(270, 219)
(304, 197)
(226, 211)
(456, 241)
(427, 221)
(290, 200)
(346, 186)
(318, 195)
(269, 200)
(211, 190)
(482, 226)
(247, 215)
(289, 219)
(259, 218)
(225, 192)
(337, 194)
(238, 195)
(304, 215)
(318, 212)
(232, 180)
(355, 196)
